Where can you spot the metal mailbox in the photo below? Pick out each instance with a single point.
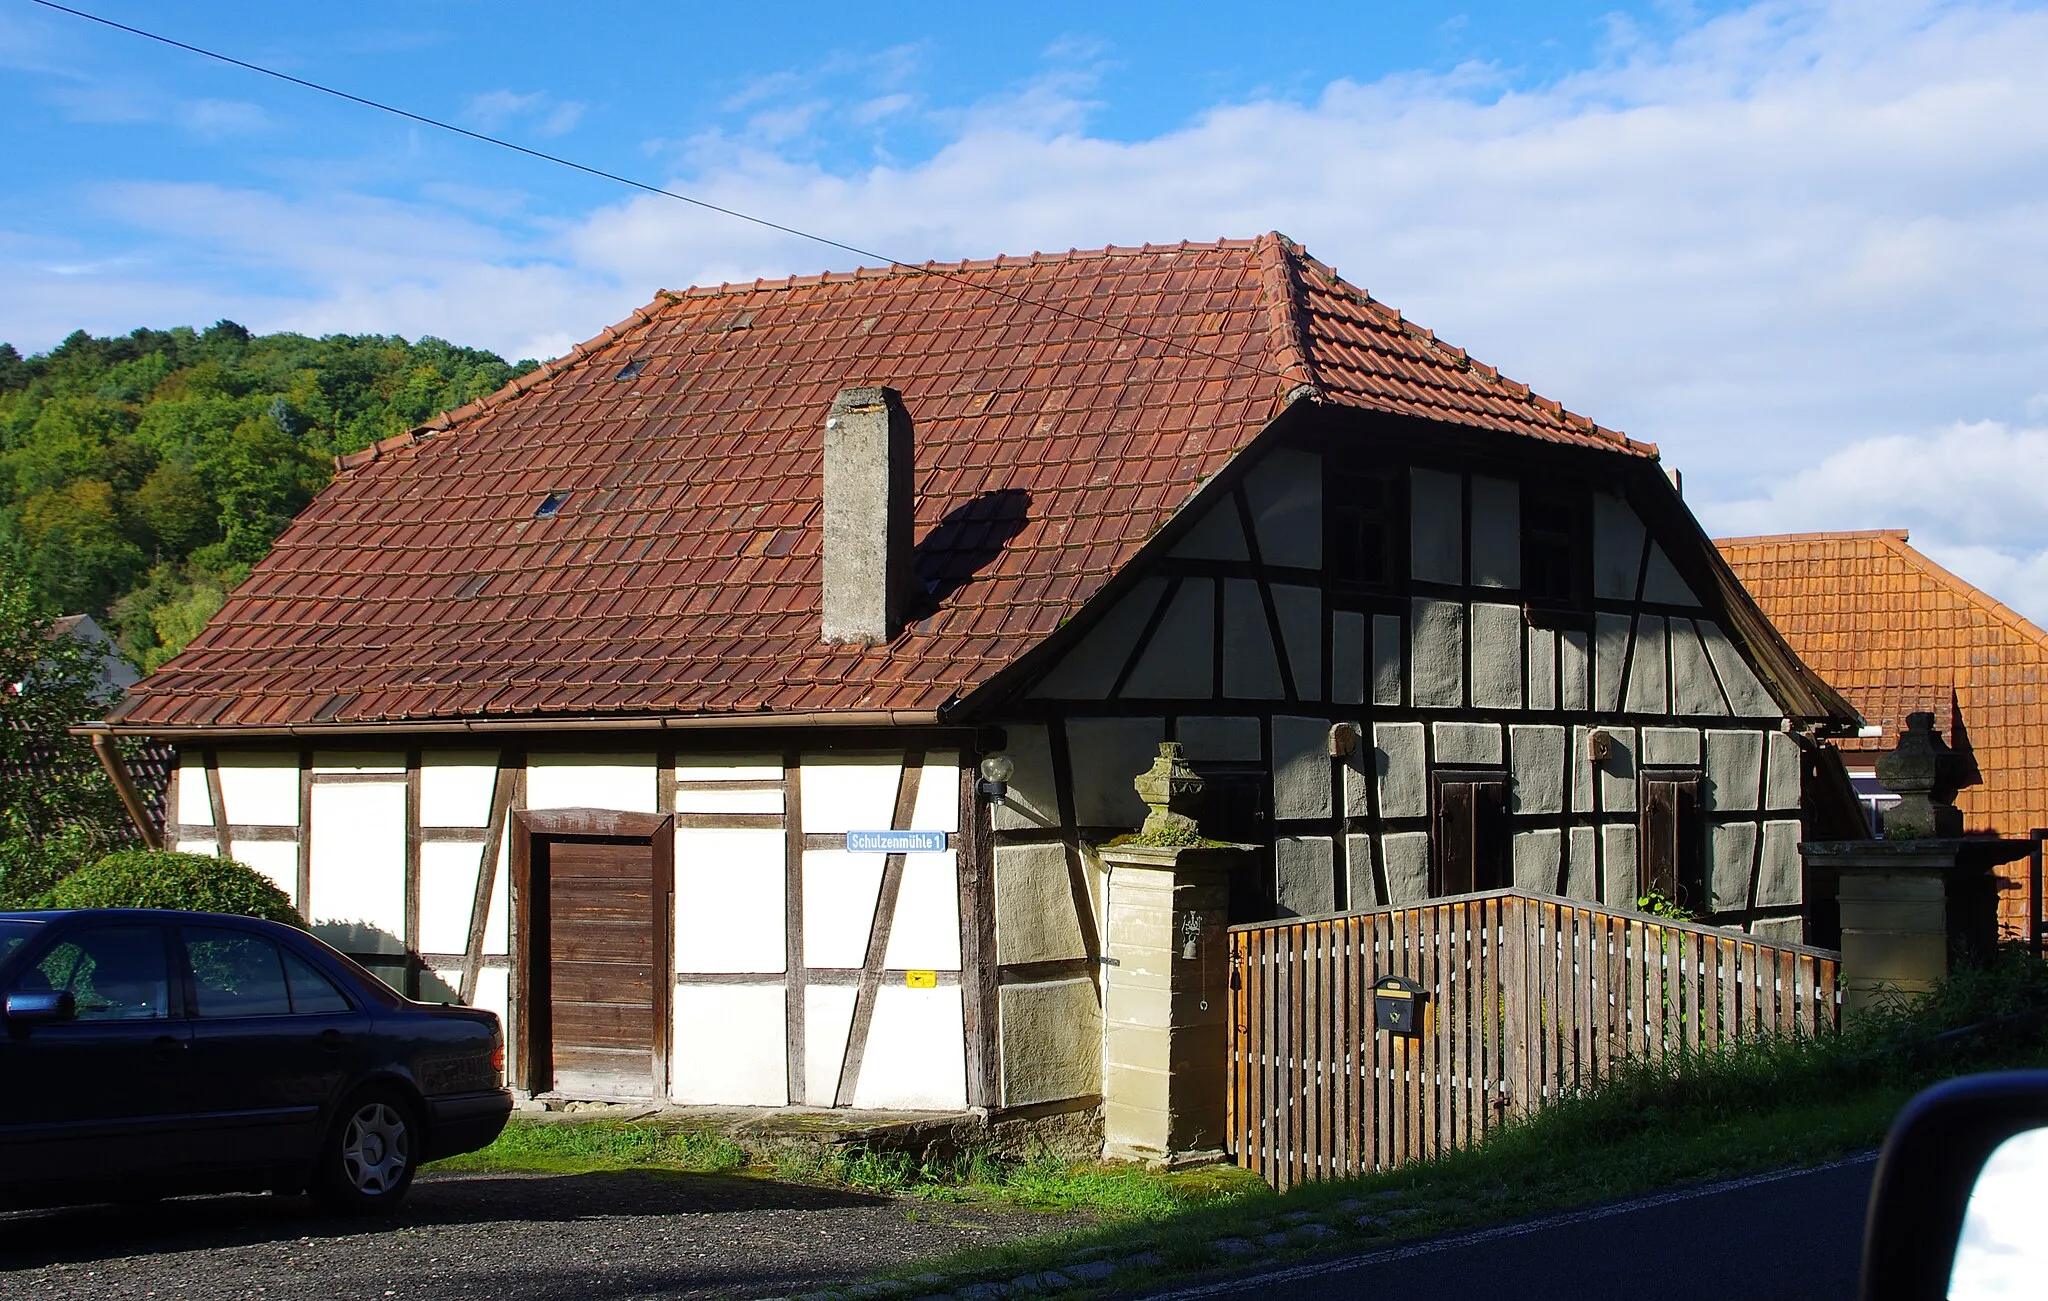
(1397, 1005)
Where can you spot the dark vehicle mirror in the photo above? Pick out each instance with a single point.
(41, 1007)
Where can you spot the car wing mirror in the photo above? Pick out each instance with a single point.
(1955, 1208)
(41, 1007)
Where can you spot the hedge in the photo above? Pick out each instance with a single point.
(162, 878)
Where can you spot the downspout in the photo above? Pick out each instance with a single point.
(124, 786)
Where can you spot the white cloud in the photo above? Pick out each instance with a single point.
(541, 113)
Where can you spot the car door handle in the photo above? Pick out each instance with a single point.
(168, 1046)
(333, 1040)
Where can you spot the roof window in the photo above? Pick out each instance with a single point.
(551, 505)
(630, 370)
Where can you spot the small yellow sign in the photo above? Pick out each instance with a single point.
(921, 979)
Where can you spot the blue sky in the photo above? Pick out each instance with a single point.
(1802, 245)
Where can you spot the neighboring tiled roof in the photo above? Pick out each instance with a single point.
(1896, 633)
(682, 575)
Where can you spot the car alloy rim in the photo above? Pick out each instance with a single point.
(374, 1148)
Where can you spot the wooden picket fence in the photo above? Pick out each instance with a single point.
(1527, 997)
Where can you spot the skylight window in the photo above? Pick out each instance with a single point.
(551, 505)
(630, 370)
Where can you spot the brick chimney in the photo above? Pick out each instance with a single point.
(869, 507)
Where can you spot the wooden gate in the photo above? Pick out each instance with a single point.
(1525, 997)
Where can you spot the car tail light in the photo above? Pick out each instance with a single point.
(498, 1059)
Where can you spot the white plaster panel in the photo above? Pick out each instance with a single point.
(1436, 526)
(925, 934)
(1052, 1041)
(1542, 669)
(731, 910)
(494, 994)
(1108, 754)
(358, 859)
(1403, 769)
(1583, 776)
(591, 781)
(1573, 660)
(456, 787)
(1671, 746)
(260, 789)
(1617, 548)
(1777, 873)
(1387, 643)
(917, 1051)
(1301, 767)
(1251, 664)
(1735, 766)
(1646, 674)
(850, 792)
(1089, 669)
(1731, 857)
(731, 1046)
(1285, 493)
(1179, 661)
(1305, 875)
(206, 847)
(1360, 768)
(1782, 769)
(1661, 582)
(1407, 858)
(1437, 659)
(1746, 694)
(1618, 865)
(763, 768)
(498, 920)
(828, 1019)
(1035, 919)
(1300, 610)
(1610, 655)
(447, 895)
(1693, 688)
(1496, 532)
(276, 860)
(1618, 771)
(1538, 755)
(195, 806)
(1467, 743)
(1537, 859)
(1033, 799)
(441, 985)
(1496, 656)
(1216, 535)
(1219, 739)
(1347, 657)
(1582, 865)
(359, 761)
(768, 799)
(840, 890)
(937, 807)
(1363, 891)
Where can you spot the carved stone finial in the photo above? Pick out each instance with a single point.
(1925, 774)
(1171, 790)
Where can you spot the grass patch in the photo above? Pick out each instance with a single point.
(578, 1147)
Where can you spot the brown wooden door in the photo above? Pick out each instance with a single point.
(602, 956)
(1471, 834)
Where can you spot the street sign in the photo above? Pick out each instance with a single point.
(895, 842)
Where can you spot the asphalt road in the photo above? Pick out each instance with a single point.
(1798, 1238)
(600, 1237)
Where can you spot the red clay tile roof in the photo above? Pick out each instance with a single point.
(681, 576)
(1896, 633)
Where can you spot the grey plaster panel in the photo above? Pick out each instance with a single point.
(1671, 746)
(1618, 772)
(1360, 768)
(1347, 657)
(1496, 656)
(1573, 662)
(1436, 526)
(1496, 532)
(1216, 536)
(1437, 657)
(1406, 854)
(1538, 754)
(1363, 891)
(1693, 688)
(1781, 772)
(1052, 1041)
(1090, 669)
(1582, 769)
(1617, 548)
(1618, 865)
(1285, 492)
(1661, 582)
(1777, 874)
(1108, 754)
(1542, 669)
(1536, 859)
(1033, 800)
(1229, 740)
(1251, 667)
(1387, 642)
(1735, 769)
(1301, 767)
(1731, 856)
(1779, 930)
(1746, 694)
(1179, 661)
(1305, 875)
(1301, 628)
(1467, 743)
(1403, 770)
(1646, 672)
(1582, 865)
(1610, 655)
(1035, 919)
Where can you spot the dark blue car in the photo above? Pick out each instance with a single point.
(147, 1054)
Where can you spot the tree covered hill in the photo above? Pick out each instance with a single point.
(141, 476)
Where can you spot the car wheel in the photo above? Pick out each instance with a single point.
(371, 1154)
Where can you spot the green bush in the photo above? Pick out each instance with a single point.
(160, 878)
(31, 864)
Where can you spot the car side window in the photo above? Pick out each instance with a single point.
(311, 992)
(235, 974)
(116, 973)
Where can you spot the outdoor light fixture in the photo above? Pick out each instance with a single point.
(996, 771)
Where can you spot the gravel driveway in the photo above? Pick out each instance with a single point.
(597, 1236)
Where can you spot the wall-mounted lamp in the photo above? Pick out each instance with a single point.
(1343, 739)
(1599, 744)
(996, 771)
